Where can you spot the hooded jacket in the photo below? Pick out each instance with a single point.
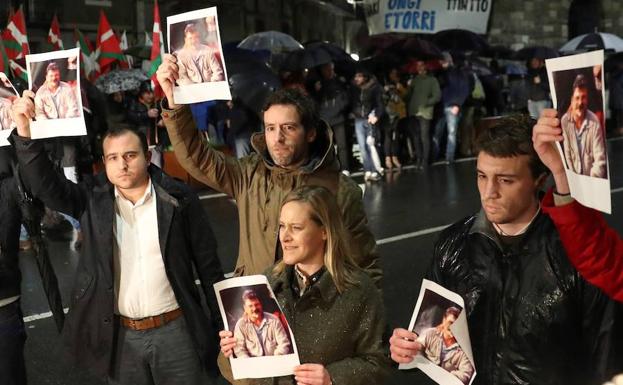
(532, 318)
(259, 187)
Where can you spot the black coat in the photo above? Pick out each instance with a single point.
(532, 318)
(10, 220)
(186, 241)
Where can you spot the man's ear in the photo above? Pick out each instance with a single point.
(148, 157)
(311, 135)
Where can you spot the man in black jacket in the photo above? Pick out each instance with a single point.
(368, 109)
(12, 333)
(532, 318)
(135, 313)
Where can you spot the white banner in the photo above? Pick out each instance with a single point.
(426, 16)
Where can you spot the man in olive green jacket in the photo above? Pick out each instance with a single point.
(296, 148)
(422, 95)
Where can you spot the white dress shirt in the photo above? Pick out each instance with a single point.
(142, 287)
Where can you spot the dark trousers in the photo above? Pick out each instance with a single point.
(419, 130)
(340, 141)
(12, 340)
(159, 356)
(390, 143)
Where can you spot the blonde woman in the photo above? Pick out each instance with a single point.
(333, 307)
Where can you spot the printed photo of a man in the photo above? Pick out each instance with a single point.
(583, 136)
(198, 62)
(257, 332)
(440, 347)
(55, 99)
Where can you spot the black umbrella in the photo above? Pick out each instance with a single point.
(460, 40)
(419, 48)
(336, 52)
(32, 213)
(537, 51)
(253, 88)
(238, 60)
(305, 58)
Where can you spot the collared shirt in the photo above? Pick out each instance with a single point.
(303, 282)
(142, 287)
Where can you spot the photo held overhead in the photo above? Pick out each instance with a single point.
(578, 93)
(54, 77)
(194, 40)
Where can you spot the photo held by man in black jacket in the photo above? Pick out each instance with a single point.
(532, 318)
(135, 313)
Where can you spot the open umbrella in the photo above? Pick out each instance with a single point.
(273, 41)
(419, 48)
(305, 58)
(594, 41)
(460, 40)
(537, 51)
(253, 88)
(238, 60)
(336, 52)
(120, 80)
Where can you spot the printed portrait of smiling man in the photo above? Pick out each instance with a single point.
(583, 136)
(259, 333)
(55, 99)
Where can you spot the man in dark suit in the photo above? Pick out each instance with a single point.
(135, 314)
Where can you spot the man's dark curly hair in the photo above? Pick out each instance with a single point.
(305, 106)
(511, 136)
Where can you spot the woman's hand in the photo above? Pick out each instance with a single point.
(311, 374)
(228, 342)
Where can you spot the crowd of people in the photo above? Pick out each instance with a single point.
(541, 308)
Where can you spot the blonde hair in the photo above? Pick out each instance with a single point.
(326, 213)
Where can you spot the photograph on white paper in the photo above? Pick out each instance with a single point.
(8, 94)
(195, 41)
(265, 345)
(54, 77)
(440, 323)
(578, 94)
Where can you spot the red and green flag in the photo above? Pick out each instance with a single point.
(108, 49)
(54, 35)
(157, 49)
(5, 66)
(87, 55)
(15, 37)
